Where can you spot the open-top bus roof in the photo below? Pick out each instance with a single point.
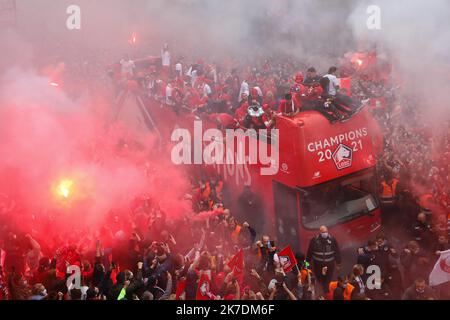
(313, 151)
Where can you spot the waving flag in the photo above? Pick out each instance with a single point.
(346, 83)
(181, 287)
(204, 288)
(287, 259)
(441, 271)
(237, 263)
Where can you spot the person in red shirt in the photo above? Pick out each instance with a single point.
(161, 86)
(313, 100)
(192, 98)
(256, 94)
(312, 96)
(242, 110)
(178, 96)
(224, 120)
(298, 90)
(270, 101)
(287, 106)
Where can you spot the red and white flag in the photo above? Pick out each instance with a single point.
(441, 271)
(287, 259)
(204, 288)
(237, 263)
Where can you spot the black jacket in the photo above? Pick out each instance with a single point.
(324, 250)
(379, 258)
(412, 294)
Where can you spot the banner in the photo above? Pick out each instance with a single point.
(287, 259)
(237, 263)
(441, 271)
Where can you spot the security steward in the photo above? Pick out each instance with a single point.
(324, 255)
(388, 195)
(341, 290)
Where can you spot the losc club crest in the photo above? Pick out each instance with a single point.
(342, 157)
(285, 262)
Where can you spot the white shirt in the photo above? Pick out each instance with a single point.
(334, 82)
(179, 68)
(206, 90)
(258, 89)
(193, 77)
(169, 94)
(189, 72)
(165, 58)
(214, 73)
(244, 89)
(128, 66)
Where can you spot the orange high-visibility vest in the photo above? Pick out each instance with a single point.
(389, 190)
(304, 273)
(347, 292)
(207, 192)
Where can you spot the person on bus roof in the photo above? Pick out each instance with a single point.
(333, 82)
(242, 109)
(298, 91)
(287, 106)
(165, 61)
(312, 78)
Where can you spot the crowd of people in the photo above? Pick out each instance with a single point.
(236, 95)
(142, 255)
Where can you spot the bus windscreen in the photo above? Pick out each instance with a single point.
(337, 202)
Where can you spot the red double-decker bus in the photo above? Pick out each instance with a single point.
(326, 176)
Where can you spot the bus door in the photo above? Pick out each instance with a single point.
(287, 215)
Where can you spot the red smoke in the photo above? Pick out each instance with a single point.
(205, 215)
(46, 139)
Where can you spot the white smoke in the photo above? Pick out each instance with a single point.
(416, 36)
(302, 28)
